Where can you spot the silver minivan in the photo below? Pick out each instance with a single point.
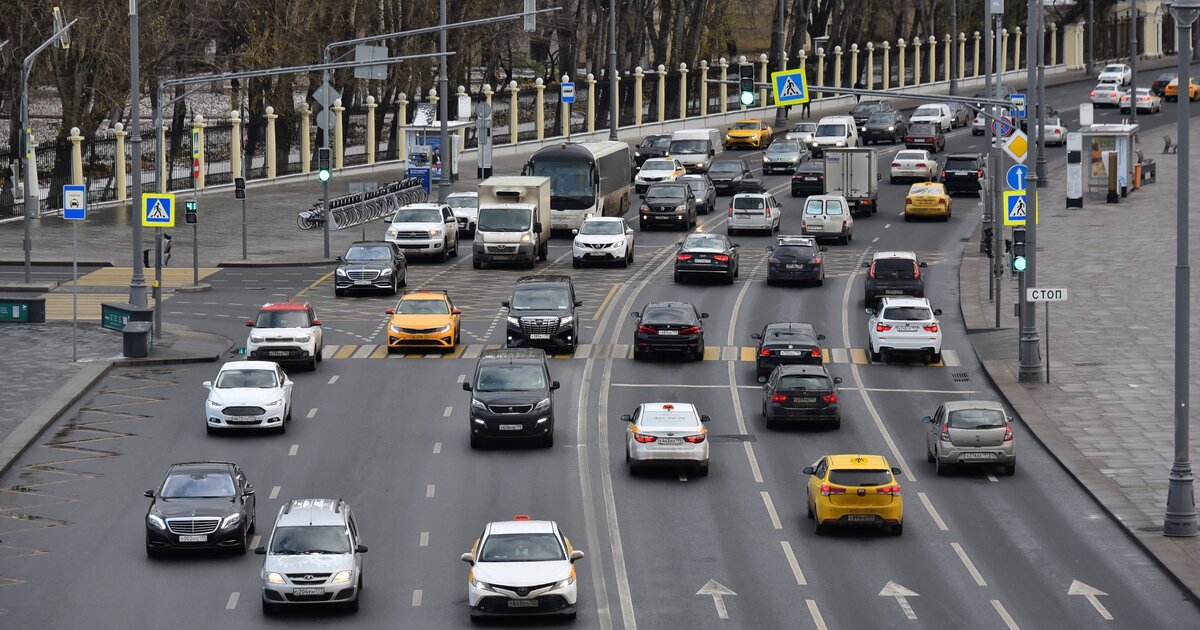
(828, 216)
(754, 211)
(313, 556)
(696, 148)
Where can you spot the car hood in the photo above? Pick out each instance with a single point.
(653, 175)
(365, 265)
(596, 239)
(781, 155)
(723, 177)
(420, 320)
(244, 395)
(309, 563)
(742, 133)
(409, 227)
(800, 135)
(499, 238)
(511, 397)
(280, 332)
(175, 508)
(875, 126)
(522, 573)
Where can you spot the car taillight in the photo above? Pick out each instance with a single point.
(816, 261)
(931, 328)
(643, 438)
(1008, 433)
(829, 398)
(730, 210)
(646, 330)
(768, 209)
(871, 272)
(816, 352)
(778, 398)
(690, 330)
(827, 490)
(683, 257)
(1093, 92)
(843, 226)
(941, 202)
(916, 270)
(921, 165)
(945, 437)
(943, 175)
(694, 439)
(865, 202)
(908, 201)
(721, 258)
(979, 173)
(893, 490)
(820, 178)
(765, 352)
(897, 165)
(882, 327)
(803, 226)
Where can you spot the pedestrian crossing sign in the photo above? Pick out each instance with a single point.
(791, 87)
(158, 210)
(1016, 208)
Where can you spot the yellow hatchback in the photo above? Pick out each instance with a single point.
(424, 319)
(927, 199)
(854, 490)
(749, 133)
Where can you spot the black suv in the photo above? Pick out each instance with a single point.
(512, 397)
(893, 273)
(786, 343)
(668, 204)
(727, 173)
(889, 126)
(962, 172)
(541, 314)
(795, 258)
(200, 505)
(653, 146)
(370, 265)
(801, 392)
(863, 110)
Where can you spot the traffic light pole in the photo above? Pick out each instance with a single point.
(157, 291)
(1030, 368)
(196, 240)
(443, 111)
(989, 210)
(781, 113)
(325, 211)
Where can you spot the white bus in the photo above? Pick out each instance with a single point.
(585, 178)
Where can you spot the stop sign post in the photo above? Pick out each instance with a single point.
(1047, 295)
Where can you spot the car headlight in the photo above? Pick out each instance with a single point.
(728, 137)
(394, 328)
(483, 586)
(274, 403)
(435, 231)
(891, 128)
(680, 208)
(840, 143)
(566, 321)
(645, 208)
(274, 578)
(542, 405)
(304, 338)
(637, 154)
(619, 243)
(445, 328)
(564, 583)
(515, 321)
(342, 272)
(212, 403)
(256, 339)
(478, 404)
(155, 521)
(231, 520)
(525, 238)
(386, 272)
(393, 233)
(342, 577)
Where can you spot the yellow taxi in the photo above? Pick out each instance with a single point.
(424, 319)
(927, 199)
(751, 133)
(1171, 92)
(854, 490)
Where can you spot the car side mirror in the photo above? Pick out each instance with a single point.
(770, 248)
(466, 387)
(809, 470)
(250, 323)
(260, 551)
(825, 249)
(870, 311)
(896, 471)
(820, 337)
(148, 494)
(578, 302)
(626, 418)
(390, 311)
(679, 244)
(576, 554)
(338, 258)
(628, 230)
(937, 312)
(703, 315)
(574, 232)
(922, 264)
(927, 420)
(878, 176)
(360, 549)
(316, 322)
(249, 491)
(837, 379)
(866, 265)
(762, 379)
(555, 385)
(735, 245)
(755, 336)
(635, 314)
(537, 227)
(705, 418)
(505, 304)
(206, 384)
(468, 558)
(455, 311)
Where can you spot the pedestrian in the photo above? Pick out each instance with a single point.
(805, 112)
(858, 86)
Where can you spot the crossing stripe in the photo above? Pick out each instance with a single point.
(327, 351)
(472, 351)
(345, 351)
(728, 353)
(583, 351)
(747, 353)
(364, 351)
(838, 355)
(712, 353)
(380, 352)
(456, 352)
(950, 358)
(859, 356)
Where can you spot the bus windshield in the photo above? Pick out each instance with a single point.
(571, 183)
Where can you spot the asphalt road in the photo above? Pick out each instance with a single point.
(390, 437)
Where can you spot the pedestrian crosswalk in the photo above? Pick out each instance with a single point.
(60, 306)
(744, 354)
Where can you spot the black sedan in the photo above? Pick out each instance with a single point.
(728, 173)
(702, 187)
(200, 505)
(885, 126)
(674, 327)
(668, 204)
(796, 258)
(786, 343)
(707, 255)
(925, 136)
(370, 266)
(653, 146)
(801, 393)
(809, 179)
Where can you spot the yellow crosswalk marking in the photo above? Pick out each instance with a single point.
(345, 351)
(747, 353)
(120, 276)
(380, 352)
(825, 355)
(712, 353)
(859, 356)
(456, 352)
(59, 304)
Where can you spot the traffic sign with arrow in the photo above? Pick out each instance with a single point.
(718, 592)
(901, 594)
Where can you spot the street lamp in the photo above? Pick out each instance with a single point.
(1181, 501)
(780, 113)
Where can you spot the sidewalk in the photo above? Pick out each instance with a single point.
(1107, 413)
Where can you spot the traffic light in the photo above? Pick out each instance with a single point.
(746, 84)
(1018, 249)
(239, 188)
(166, 249)
(190, 206)
(988, 235)
(324, 164)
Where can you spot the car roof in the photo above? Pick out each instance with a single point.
(746, 193)
(903, 301)
(249, 365)
(826, 198)
(795, 239)
(894, 254)
(513, 354)
(556, 279)
(422, 205)
(753, 120)
(286, 306)
(609, 219)
(424, 294)
(521, 526)
(927, 184)
(201, 466)
(668, 305)
(797, 369)
(312, 512)
(464, 194)
(370, 243)
(658, 159)
(964, 156)
(957, 405)
(815, 165)
(859, 461)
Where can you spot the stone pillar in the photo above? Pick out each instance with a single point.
(683, 70)
(272, 159)
(762, 77)
(1017, 50)
(962, 54)
(564, 118)
(853, 65)
(1054, 44)
(235, 144)
(870, 66)
(401, 123)
(837, 66)
(724, 88)
(946, 58)
(487, 93)
(306, 139)
(661, 91)
(513, 118)
(1003, 52)
(820, 69)
(901, 78)
(803, 63)
(76, 156)
(541, 108)
(887, 65)
(916, 46)
(198, 137)
(119, 134)
(617, 89)
(933, 59)
(591, 108)
(462, 133)
(339, 134)
(371, 142)
(975, 65)
(637, 96)
(703, 88)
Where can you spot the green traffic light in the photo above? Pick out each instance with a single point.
(324, 175)
(1019, 263)
(747, 98)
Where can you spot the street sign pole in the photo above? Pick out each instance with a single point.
(74, 210)
(1029, 347)
(158, 250)
(988, 209)
(997, 156)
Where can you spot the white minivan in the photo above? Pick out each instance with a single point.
(828, 216)
(696, 148)
(834, 132)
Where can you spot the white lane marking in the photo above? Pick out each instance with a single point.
(437, 448)
(1008, 620)
(429, 490)
(766, 497)
(900, 390)
(292, 451)
(255, 542)
(737, 401)
(312, 413)
(462, 377)
(932, 512)
(424, 539)
(901, 594)
(758, 478)
(1091, 593)
(447, 412)
(875, 240)
(233, 600)
(793, 563)
(818, 620)
(718, 592)
(333, 379)
(962, 555)
(416, 599)
(682, 476)
(274, 493)
(992, 478)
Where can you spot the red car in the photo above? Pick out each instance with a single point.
(925, 136)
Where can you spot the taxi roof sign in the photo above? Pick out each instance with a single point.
(790, 87)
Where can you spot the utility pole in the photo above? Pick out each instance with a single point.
(1133, 59)
(1031, 368)
(1040, 164)
(989, 221)
(444, 108)
(613, 81)
(1091, 39)
(781, 113)
(953, 61)
(137, 282)
(996, 157)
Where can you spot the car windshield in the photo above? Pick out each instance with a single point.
(605, 228)
(831, 130)
(795, 251)
(928, 110)
(859, 477)
(239, 379)
(658, 165)
(907, 314)
(698, 184)
(209, 485)
(463, 201)
(911, 155)
(882, 118)
(962, 163)
(805, 382)
(369, 252)
(704, 244)
(523, 547)
(749, 203)
(804, 127)
(784, 146)
(976, 419)
(282, 319)
(1166, 76)
(417, 215)
(925, 189)
(923, 130)
(544, 298)
(320, 539)
(508, 377)
(504, 219)
(423, 307)
(688, 146)
(1114, 68)
(862, 109)
(742, 126)
(725, 167)
(894, 269)
(668, 315)
(665, 192)
(658, 142)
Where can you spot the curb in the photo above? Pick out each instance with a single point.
(193, 288)
(318, 262)
(55, 263)
(21, 287)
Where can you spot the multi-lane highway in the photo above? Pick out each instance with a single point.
(389, 435)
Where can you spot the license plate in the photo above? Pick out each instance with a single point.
(522, 603)
(308, 591)
(810, 179)
(511, 427)
(539, 335)
(893, 292)
(669, 332)
(184, 539)
(791, 353)
(906, 328)
(860, 518)
(245, 418)
(702, 261)
(804, 399)
(816, 228)
(669, 441)
(362, 282)
(796, 267)
(665, 218)
(278, 353)
(979, 456)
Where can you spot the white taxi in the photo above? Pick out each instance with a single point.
(666, 434)
(522, 568)
(657, 170)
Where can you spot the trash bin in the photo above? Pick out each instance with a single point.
(136, 340)
(1137, 176)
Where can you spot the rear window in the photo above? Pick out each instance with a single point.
(804, 127)
(749, 203)
(786, 334)
(919, 130)
(962, 163)
(805, 383)
(676, 418)
(704, 244)
(911, 155)
(894, 269)
(282, 319)
(669, 315)
(976, 419)
(795, 251)
(907, 314)
(860, 477)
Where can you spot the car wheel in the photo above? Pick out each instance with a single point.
(476, 441)
(877, 357)
(282, 428)
(1010, 469)
(731, 277)
(476, 264)
(575, 262)
(321, 353)
(628, 257)
(151, 552)
(268, 608)
(445, 255)
(395, 286)
(678, 277)
(338, 293)
(703, 469)
(892, 179)
(731, 231)
(634, 470)
(639, 355)
(821, 280)
(808, 508)
(548, 441)
(940, 468)
(240, 549)
(835, 424)
(907, 217)
(699, 356)
(818, 528)
(312, 363)
(210, 429)
(770, 281)
(935, 357)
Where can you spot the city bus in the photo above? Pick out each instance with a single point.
(586, 178)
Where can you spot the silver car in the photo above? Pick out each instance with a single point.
(805, 132)
(783, 156)
(754, 211)
(970, 432)
(313, 556)
(666, 434)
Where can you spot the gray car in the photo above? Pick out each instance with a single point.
(313, 556)
(702, 188)
(784, 156)
(970, 432)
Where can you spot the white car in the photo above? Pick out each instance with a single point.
(1106, 93)
(1147, 101)
(248, 395)
(602, 239)
(805, 132)
(754, 211)
(520, 567)
(657, 170)
(934, 114)
(666, 434)
(1055, 132)
(465, 206)
(425, 229)
(1118, 72)
(913, 164)
(827, 216)
(904, 325)
(286, 332)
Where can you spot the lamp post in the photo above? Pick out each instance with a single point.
(613, 116)
(780, 113)
(1133, 43)
(1091, 38)
(137, 281)
(1181, 502)
(1031, 368)
(443, 109)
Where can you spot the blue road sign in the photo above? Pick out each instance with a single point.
(1016, 176)
(568, 92)
(791, 87)
(1018, 103)
(1002, 129)
(74, 202)
(158, 210)
(421, 173)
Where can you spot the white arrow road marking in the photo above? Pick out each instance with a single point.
(718, 592)
(1091, 593)
(901, 594)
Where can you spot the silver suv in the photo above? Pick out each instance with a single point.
(314, 556)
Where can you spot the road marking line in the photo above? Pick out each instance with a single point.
(962, 555)
(1008, 620)
(816, 615)
(747, 353)
(314, 284)
(682, 476)
(333, 379)
(875, 240)
(274, 493)
(345, 351)
(758, 478)
(380, 353)
(604, 304)
(766, 497)
(416, 600)
(364, 351)
(791, 558)
(429, 491)
(424, 539)
(859, 356)
(312, 413)
(992, 478)
(825, 355)
(447, 412)
(462, 378)
(328, 351)
(255, 542)
(950, 358)
(437, 448)
(932, 512)
(472, 351)
(583, 351)
(894, 390)
(712, 353)
(292, 452)
(233, 600)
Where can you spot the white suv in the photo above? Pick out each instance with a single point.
(285, 332)
(904, 325)
(425, 229)
(602, 239)
(754, 211)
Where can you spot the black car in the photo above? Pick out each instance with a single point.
(1159, 86)
(750, 185)
(786, 343)
(889, 126)
(796, 258)
(668, 204)
(962, 173)
(200, 505)
(801, 393)
(370, 266)
(702, 188)
(893, 273)
(652, 146)
(541, 314)
(809, 179)
(727, 173)
(864, 109)
(512, 397)
(925, 136)
(674, 327)
(707, 254)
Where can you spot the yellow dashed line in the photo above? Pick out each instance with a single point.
(316, 283)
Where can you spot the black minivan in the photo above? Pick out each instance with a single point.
(541, 314)
(512, 397)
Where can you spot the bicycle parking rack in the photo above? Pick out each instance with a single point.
(358, 208)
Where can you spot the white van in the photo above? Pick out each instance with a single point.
(696, 148)
(834, 131)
